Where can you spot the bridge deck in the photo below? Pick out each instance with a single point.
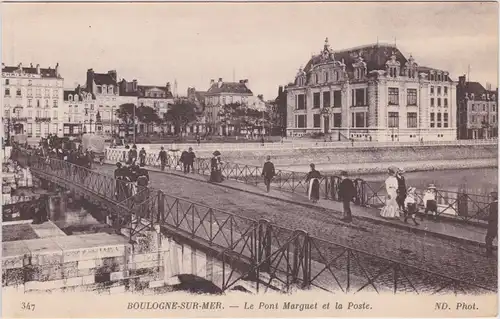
(427, 252)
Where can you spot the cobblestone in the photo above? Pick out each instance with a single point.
(457, 260)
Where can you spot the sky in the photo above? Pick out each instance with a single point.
(265, 43)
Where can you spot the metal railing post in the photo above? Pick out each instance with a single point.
(264, 242)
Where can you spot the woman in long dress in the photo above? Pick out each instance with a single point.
(390, 209)
(313, 179)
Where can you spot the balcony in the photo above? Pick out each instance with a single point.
(42, 119)
(19, 119)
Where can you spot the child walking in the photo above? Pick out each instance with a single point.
(410, 204)
(430, 201)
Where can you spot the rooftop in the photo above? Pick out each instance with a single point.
(229, 87)
(44, 72)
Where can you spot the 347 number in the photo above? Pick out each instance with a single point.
(28, 306)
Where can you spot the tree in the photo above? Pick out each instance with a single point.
(243, 117)
(143, 114)
(180, 114)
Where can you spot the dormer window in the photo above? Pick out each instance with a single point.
(104, 90)
(70, 98)
(110, 90)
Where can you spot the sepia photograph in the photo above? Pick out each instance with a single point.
(249, 159)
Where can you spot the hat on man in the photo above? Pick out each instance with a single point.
(118, 164)
(268, 157)
(190, 149)
(431, 186)
(216, 153)
(343, 173)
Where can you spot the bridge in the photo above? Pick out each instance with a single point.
(254, 249)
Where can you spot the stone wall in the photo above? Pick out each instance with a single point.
(94, 262)
(361, 155)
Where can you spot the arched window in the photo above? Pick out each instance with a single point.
(104, 90)
(110, 89)
(70, 98)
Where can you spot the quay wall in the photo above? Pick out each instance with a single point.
(286, 157)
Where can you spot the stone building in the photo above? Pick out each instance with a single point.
(80, 112)
(477, 111)
(157, 97)
(221, 93)
(32, 101)
(371, 92)
(104, 87)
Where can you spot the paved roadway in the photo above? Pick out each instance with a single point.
(458, 260)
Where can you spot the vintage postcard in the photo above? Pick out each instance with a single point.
(249, 159)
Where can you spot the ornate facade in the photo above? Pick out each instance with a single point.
(371, 92)
(32, 101)
(477, 112)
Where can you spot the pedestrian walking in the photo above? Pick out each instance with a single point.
(191, 157)
(162, 156)
(410, 204)
(346, 193)
(268, 172)
(390, 210)
(142, 157)
(313, 179)
(401, 191)
(492, 224)
(216, 168)
(41, 211)
(430, 202)
(132, 155)
(185, 161)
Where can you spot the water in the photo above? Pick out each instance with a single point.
(480, 181)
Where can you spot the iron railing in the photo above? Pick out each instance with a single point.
(459, 206)
(273, 257)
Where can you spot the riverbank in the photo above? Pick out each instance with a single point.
(381, 167)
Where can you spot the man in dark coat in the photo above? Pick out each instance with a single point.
(268, 173)
(190, 160)
(162, 156)
(346, 194)
(401, 191)
(492, 224)
(41, 211)
(185, 161)
(132, 155)
(142, 157)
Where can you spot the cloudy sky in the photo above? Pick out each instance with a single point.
(265, 43)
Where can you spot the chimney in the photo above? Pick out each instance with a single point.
(169, 88)
(20, 66)
(31, 65)
(113, 75)
(212, 82)
(280, 90)
(38, 69)
(3, 65)
(488, 86)
(134, 85)
(219, 84)
(90, 80)
(245, 81)
(461, 80)
(57, 69)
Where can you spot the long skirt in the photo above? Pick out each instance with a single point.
(391, 208)
(216, 176)
(314, 189)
